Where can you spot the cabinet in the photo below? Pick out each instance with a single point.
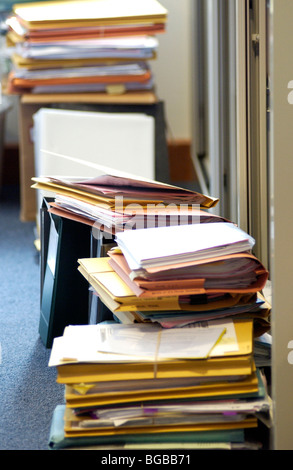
(281, 220)
(243, 123)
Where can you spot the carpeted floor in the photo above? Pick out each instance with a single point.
(28, 388)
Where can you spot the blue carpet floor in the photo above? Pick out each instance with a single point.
(28, 388)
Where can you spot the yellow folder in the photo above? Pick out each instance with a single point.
(143, 192)
(118, 296)
(50, 15)
(250, 385)
(83, 196)
(214, 367)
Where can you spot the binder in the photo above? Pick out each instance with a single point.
(64, 296)
(98, 311)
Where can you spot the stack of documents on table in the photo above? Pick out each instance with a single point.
(136, 385)
(84, 46)
(179, 275)
(115, 201)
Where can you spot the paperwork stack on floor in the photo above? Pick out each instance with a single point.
(176, 367)
(84, 46)
(185, 387)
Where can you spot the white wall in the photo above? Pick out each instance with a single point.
(171, 69)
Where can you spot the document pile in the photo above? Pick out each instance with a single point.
(179, 275)
(176, 365)
(84, 46)
(179, 366)
(136, 386)
(115, 201)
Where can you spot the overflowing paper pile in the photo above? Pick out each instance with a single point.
(178, 275)
(115, 201)
(132, 386)
(175, 263)
(176, 365)
(84, 46)
(179, 367)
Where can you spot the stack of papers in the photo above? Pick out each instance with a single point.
(84, 46)
(171, 267)
(116, 201)
(176, 365)
(179, 275)
(109, 186)
(168, 386)
(166, 246)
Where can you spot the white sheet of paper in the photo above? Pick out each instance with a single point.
(163, 245)
(127, 343)
(80, 345)
(157, 343)
(228, 342)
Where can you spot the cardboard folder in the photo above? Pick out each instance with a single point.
(133, 189)
(85, 365)
(92, 372)
(54, 188)
(240, 388)
(119, 295)
(237, 342)
(17, 32)
(121, 299)
(89, 13)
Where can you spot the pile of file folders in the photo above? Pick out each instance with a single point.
(84, 46)
(175, 367)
